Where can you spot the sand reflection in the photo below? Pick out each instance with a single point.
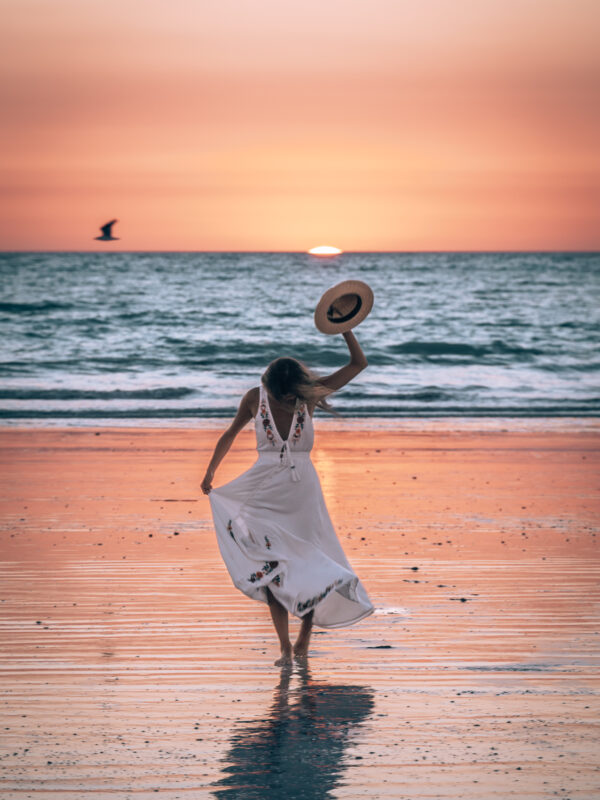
(297, 750)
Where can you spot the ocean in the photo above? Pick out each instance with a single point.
(155, 338)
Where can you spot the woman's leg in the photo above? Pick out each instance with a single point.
(280, 620)
(303, 640)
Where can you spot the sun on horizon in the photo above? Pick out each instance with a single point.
(324, 250)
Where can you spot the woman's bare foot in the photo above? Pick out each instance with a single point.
(301, 645)
(301, 651)
(286, 657)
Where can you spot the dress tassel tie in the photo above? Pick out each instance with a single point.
(286, 459)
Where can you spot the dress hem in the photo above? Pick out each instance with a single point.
(346, 624)
(258, 594)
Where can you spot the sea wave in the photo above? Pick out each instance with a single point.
(41, 307)
(167, 393)
(475, 352)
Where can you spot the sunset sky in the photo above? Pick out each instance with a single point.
(274, 125)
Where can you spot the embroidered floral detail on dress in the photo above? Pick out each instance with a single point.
(300, 420)
(277, 580)
(268, 542)
(267, 567)
(266, 421)
(230, 529)
(303, 605)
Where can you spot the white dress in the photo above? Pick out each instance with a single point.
(273, 529)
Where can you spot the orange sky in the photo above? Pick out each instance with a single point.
(272, 125)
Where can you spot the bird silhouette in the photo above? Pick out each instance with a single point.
(107, 232)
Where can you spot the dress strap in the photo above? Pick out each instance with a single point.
(263, 402)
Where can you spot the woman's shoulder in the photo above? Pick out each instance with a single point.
(251, 399)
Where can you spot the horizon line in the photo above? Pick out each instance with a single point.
(307, 253)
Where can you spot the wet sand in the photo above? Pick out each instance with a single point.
(131, 666)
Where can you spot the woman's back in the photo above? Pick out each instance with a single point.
(279, 427)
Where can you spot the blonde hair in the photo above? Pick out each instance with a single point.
(287, 377)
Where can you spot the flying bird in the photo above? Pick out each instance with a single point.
(107, 232)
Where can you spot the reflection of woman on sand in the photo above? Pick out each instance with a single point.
(272, 525)
(297, 752)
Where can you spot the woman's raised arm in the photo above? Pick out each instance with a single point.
(243, 416)
(358, 362)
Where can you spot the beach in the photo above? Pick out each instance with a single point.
(131, 666)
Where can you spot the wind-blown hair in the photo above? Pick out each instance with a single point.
(286, 379)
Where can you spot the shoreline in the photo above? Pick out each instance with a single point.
(467, 424)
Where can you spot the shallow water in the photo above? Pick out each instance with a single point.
(155, 336)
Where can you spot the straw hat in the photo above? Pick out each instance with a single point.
(343, 307)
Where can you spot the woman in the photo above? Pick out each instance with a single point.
(272, 525)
